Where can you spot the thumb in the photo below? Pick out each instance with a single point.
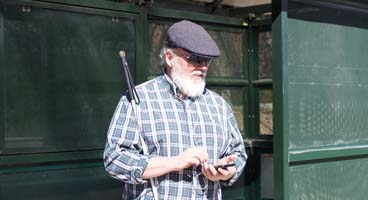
(230, 158)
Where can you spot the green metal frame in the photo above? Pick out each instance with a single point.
(106, 5)
(59, 160)
(2, 82)
(258, 143)
(329, 153)
(257, 84)
(288, 159)
(280, 117)
(176, 14)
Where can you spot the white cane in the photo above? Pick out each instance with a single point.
(134, 100)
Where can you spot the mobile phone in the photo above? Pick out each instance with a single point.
(224, 166)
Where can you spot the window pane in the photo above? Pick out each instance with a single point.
(265, 112)
(158, 32)
(229, 64)
(267, 188)
(235, 98)
(265, 55)
(63, 78)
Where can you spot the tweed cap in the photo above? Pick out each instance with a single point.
(191, 37)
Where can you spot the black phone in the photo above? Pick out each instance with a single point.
(224, 166)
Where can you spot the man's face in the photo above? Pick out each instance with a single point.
(189, 72)
(191, 66)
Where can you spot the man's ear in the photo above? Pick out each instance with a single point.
(169, 58)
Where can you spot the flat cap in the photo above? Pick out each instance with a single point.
(191, 37)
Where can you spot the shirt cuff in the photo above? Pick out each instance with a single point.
(239, 166)
(138, 168)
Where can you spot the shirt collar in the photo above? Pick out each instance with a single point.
(174, 90)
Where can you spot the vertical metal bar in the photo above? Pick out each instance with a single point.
(280, 100)
(245, 61)
(2, 81)
(251, 76)
(143, 47)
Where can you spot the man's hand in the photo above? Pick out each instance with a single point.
(191, 156)
(158, 166)
(212, 174)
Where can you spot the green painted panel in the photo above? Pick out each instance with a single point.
(71, 184)
(327, 84)
(62, 76)
(229, 64)
(339, 180)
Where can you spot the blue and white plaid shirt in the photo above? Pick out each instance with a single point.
(169, 126)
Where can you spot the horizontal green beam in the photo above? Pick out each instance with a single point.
(259, 143)
(107, 5)
(39, 158)
(301, 155)
(261, 82)
(51, 166)
(226, 82)
(221, 81)
(178, 14)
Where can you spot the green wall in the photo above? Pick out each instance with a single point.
(320, 81)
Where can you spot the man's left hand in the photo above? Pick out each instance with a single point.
(212, 174)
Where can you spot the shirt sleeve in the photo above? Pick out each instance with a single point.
(123, 157)
(235, 146)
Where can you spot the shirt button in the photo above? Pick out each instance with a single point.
(137, 173)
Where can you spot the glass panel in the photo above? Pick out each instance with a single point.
(267, 188)
(345, 13)
(265, 54)
(229, 64)
(344, 179)
(158, 33)
(235, 98)
(327, 81)
(63, 77)
(265, 112)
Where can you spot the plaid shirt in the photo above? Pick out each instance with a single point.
(169, 126)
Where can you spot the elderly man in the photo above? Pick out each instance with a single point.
(187, 128)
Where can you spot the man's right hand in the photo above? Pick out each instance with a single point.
(158, 166)
(191, 156)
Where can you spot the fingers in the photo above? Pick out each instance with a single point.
(192, 156)
(194, 161)
(220, 174)
(223, 171)
(203, 155)
(229, 158)
(199, 153)
(209, 172)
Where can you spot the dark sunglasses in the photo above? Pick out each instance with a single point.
(194, 59)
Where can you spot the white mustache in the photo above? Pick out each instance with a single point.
(199, 73)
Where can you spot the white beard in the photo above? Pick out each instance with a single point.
(187, 85)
